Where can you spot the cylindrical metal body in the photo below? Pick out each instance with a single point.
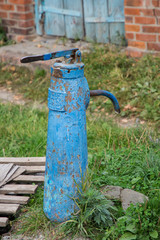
(66, 157)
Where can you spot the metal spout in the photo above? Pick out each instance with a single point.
(109, 95)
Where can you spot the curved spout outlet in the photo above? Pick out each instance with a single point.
(109, 95)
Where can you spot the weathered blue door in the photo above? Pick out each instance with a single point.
(97, 20)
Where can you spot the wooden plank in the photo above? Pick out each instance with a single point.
(74, 24)
(34, 169)
(90, 27)
(17, 173)
(4, 170)
(4, 221)
(102, 29)
(18, 189)
(14, 199)
(9, 209)
(116, 11)
(54, 22)
(29, 178)
(27, 161)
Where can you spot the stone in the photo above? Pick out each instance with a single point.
(129, 196)
(112, 192)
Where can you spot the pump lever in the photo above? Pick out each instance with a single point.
(109, 95)
(48, 56)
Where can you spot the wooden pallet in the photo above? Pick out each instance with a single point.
(14, 194)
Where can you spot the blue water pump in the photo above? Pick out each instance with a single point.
(66, 156)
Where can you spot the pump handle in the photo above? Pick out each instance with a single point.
(48, 56)
(109, 95)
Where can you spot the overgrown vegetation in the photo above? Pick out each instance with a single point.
(129, 158)
(3, 37)
(134, 82)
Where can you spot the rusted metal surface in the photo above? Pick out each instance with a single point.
(109, 95)
(66, 155)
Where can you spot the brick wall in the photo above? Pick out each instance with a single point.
(18, 18)
(142, 26)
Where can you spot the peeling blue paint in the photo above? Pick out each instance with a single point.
(66, 155)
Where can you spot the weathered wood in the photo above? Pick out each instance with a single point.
(18, 189)
(4, 170)
(29, 178)
(4, 221)
(14, 199)
(27, 161)
(19, 171)
(9, 172)
(34, 169)
(9, 209)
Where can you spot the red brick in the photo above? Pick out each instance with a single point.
(23, 8)
(132, 11)
(1, 1)
(129, 19)
(129, 36)
(26, 24)
(157, 12)
(145, 20)
(9, 22)
(148, 3)
(156, 3)
(3, 14)
(132, 53)
(20, 38)
(7, 7)
(146, 12)
(153, 46)
(137, 44)
(146, 37)
(21, 1)
(22, 31)
(132, 28)
(151, 29)
(133, 3)
(22, 16)
(158, 38)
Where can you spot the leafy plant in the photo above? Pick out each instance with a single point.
(95, 212)
(139, 222)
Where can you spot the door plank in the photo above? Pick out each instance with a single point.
(89, 27)
(18, 189)
(54, 22)
(14, 199)
(74, 24)
(116, 11)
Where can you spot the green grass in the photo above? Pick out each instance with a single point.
(129, 158)
(134, 82)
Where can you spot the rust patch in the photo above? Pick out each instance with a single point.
(53, 150)
(58, 116)
(78, 106)
(59, 162)
(73, 176)
(62, 173)
(78, 156)
(66, 86)
(71, 163)
(57, 73)
(57, 216)
(79, 92)
(62, 191)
